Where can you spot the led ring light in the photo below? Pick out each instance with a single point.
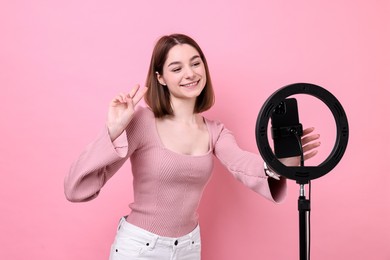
(302, 174)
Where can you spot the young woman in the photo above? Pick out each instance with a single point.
(171, 148)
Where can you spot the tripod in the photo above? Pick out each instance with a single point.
(304, 224)
(302, 174)
(303, 209)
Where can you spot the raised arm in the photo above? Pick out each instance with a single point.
(103, 157)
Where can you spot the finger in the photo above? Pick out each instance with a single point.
(310, 155)
(115, 100)
(134, 91)
(307, 131)
(273, 175)
(118, 99)
(141, 93)
(310, 138)
(122, 97)
(310, 147)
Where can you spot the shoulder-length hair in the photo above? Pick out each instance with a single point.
(157, 96)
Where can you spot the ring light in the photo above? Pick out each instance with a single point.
(302, 174)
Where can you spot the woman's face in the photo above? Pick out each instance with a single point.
(184, 73)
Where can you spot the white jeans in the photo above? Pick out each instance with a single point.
(132, 242)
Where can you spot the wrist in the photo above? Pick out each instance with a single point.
(113, 132)
(268, 172)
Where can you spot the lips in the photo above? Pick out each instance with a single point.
(191, 84)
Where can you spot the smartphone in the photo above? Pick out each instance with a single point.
(286, 129)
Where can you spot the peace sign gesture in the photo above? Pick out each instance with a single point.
(121, 110)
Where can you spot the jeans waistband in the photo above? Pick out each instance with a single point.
(153, 239)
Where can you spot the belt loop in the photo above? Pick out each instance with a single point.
(121, 222)
(154, 241)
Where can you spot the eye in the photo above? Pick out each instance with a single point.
(177, 69)
(196, 64)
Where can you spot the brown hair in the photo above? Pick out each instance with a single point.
(157, 96)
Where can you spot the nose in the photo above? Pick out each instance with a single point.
(189, 73)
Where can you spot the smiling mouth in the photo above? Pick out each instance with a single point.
(192, 84)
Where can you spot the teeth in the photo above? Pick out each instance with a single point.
(191, 84)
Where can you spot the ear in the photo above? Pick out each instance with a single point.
(160, 79)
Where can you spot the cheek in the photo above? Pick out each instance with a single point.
(201, 72)
(204, 75)
(172, 78)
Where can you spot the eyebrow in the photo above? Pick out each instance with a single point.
(178, 62)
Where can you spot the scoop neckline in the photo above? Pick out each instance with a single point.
(161, 145)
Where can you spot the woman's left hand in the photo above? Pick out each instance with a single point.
(309, 144)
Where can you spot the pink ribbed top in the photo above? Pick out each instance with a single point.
(167, 185)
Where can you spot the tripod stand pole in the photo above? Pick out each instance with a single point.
(303, 208)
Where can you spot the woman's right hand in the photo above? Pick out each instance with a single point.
(121, 111)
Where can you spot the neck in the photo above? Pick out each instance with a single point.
(183, 110)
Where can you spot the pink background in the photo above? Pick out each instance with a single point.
(62, 61)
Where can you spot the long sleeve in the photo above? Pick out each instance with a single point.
(100, 160)
(246, 167)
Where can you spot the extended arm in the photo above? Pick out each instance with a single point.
(247, 167)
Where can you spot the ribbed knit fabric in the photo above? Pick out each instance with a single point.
(167, 185)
